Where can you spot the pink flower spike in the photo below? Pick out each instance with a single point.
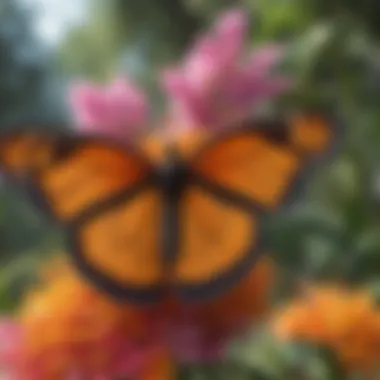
(217, 86)
(216, 52)
(120, 110)
(190, 345)
(127, 103)
(88, 104)
(232, 27)
(264, 59)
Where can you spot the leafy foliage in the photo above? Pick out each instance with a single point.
(334, 55)
(29, 93)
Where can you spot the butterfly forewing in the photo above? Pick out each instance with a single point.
(21, 154)
(72, 175)
(251, 166)
(263, 164)
(91, 175)
(314, 134)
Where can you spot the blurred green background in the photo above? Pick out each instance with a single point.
(332, 52)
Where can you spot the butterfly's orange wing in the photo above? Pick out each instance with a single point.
(237, 180)
(105, 196)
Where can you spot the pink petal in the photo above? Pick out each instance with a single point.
(217, 52)
(204, 70)
(234, 21)
(132, 361)
(11, 338)
(191, 345)
(89, 105)
(265, 59)
(232, 30)
(189, 105)
(127, 104)
(213, 87)
(120, 110)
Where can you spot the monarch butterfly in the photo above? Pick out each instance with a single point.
(191, 222)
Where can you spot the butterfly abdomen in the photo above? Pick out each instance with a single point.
(173, 178)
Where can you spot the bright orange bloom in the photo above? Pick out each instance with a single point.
(348, 322)
(65, 330)
(70, 329)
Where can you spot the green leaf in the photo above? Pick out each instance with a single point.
(334, 370)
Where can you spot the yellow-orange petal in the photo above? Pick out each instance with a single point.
(345, 320)
(65, 315)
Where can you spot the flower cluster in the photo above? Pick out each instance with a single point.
(65, 329)
(121, 110)
(214, 86)
(347, 322)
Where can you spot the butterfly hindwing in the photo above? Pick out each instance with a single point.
(219, 239)
(120, 248)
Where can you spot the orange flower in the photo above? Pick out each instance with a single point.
(68, 328)
(348, 322)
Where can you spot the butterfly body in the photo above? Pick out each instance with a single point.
(173, 175)
(185, 217)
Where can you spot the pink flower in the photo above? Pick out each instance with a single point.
(213, 86)
(113, 357)
(10, 342)
(191, 344)
(11, 346)
(120, 110)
